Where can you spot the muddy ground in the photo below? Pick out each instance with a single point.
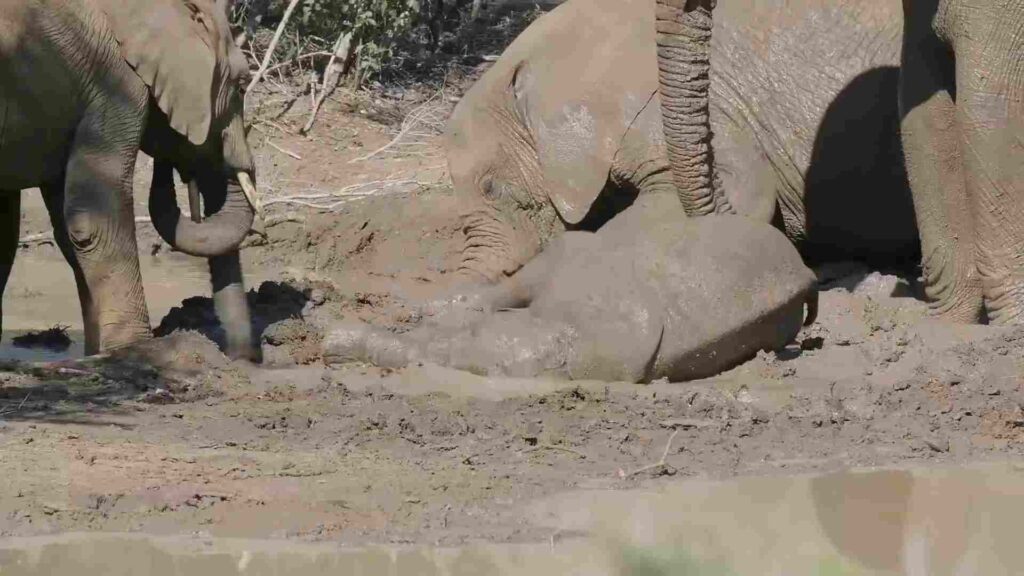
(172, 438)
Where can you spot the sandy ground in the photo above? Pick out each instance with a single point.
(171, 438)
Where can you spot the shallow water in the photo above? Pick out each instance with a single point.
(961, 520)
(9, 352)
(42, 293)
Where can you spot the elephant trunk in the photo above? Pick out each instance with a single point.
(684, 47)
(222, 232)
(225, 182)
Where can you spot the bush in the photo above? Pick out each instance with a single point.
(374, 25)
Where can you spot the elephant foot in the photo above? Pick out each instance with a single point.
(1004, 303)
(953, 287)
(965, 311)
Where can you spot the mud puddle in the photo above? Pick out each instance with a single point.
(11, 352)
(887, 521)
(42, 294)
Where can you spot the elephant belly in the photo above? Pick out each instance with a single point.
(29, 155)
(38, 98)
(730, 287)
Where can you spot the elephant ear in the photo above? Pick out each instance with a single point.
(173, 46)
(578, 122)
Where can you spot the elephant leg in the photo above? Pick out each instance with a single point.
(511, 343)
(10, 226)
(989, 92)
(99, 221)
(932, 145)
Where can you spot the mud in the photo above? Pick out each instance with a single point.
(171, 439)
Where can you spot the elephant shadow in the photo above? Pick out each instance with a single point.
(858, 202)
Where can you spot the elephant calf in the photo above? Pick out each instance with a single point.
(651, 294)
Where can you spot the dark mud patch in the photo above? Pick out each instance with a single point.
(270, 304)
(55, 339)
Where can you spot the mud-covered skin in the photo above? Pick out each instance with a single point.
(650, 295)
(804, 120)
(960, 96)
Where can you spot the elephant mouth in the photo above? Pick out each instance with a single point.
(231, 206)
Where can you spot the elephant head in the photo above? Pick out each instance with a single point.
(531, 152)
(186, 54)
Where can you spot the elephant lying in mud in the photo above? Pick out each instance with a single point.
(651, 294)
(565, 129)
(86, 84)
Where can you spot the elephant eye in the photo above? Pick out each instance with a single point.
(489, 189)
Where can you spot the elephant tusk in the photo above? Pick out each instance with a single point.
(250, 193)
(194, 208)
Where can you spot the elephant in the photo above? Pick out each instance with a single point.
(565, 130)
(960, 95)
(86, 85)
(651, 294)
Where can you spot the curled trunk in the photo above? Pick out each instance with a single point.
(221, 233)
(684, 47)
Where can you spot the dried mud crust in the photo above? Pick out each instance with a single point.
(171, 437)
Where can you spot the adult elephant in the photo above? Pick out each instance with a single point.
(962, 105)
(86, 84)
(566, 129)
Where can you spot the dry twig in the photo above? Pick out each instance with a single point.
(660, 463)
(426, 120)
(342, 49)
(273, 46)
(332, 201)
(555, 447)
(284, 151)
(20, 406)
(47, 237)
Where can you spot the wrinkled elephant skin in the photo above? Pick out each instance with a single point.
(84, 86)
(544, 144)
(960, 95)
(651, 295)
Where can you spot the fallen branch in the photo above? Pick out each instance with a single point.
(428, 114)
(284, 151)
(291, 62)
(555, 447)
(331, 201)
(42, 238)
(273, 46)
(660, 463)
(343, 47)
(47, 237)
(20, 406)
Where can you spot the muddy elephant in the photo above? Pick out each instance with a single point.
(566, 129)
(85, 85)
(961, 94)
(651, 294)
